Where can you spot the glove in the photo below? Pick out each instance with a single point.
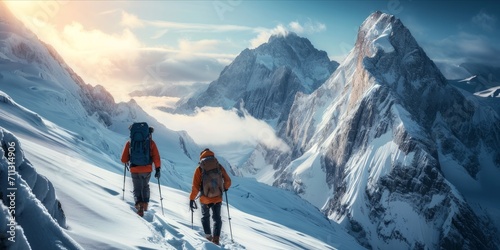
(192, 205)
(225, 189)
(157, 173)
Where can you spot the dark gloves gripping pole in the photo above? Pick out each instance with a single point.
(157, 173)
(192, 205)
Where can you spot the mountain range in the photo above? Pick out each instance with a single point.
(386, 153)
(388, 148)
(397, 143)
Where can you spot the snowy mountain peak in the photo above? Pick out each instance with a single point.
(374, 34)
(387, 54)
(300, 45)
(290, 50)
(285, 35)
(265, 79)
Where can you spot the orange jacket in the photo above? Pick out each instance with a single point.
(142, 169)
(197, 186)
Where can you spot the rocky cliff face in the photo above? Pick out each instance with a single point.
(265, 80)
(395, 144)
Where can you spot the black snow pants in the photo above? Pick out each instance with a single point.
(205, 219)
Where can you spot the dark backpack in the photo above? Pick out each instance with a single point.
(140, 145)
(211, 177)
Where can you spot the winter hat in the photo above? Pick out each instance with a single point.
(206, 153)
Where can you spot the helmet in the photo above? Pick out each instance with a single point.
(151, 130)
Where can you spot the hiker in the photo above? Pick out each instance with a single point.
(211, 179)
(140, 152)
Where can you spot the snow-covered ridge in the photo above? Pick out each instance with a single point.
(28, 203)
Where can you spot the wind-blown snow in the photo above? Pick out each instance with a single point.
(382, 41)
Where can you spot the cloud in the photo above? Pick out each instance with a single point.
(199, 45)
(100, 58)
(122, 64)
(121, 61)
(215, 126)
(173, 67)
(263, 36)
(131, 21)
(464, 47)
(307, 28)
(204, 28)
(185, 27)
(485, 21)
(226, 126)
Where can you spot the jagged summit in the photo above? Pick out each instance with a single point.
(386, 49)
(296, 52)
(300, 46)
(264, 80)
(374, 33)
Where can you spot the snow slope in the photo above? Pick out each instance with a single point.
(263, 217)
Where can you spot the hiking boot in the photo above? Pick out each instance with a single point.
(140, 212)
(138, 205)
(145, 206)
(209, 237)
(140, 208)
(215, 240)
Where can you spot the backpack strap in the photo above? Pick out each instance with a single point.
(201, 178)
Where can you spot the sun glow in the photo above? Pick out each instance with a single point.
(35, 14)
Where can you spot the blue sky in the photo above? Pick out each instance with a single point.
(430, 21)
(128, 44)
(133, 45)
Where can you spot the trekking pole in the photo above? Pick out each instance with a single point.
(124, 174)
(161, 198)
(229, 217)
(192, 212)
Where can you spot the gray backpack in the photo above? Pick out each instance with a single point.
(211, 177)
